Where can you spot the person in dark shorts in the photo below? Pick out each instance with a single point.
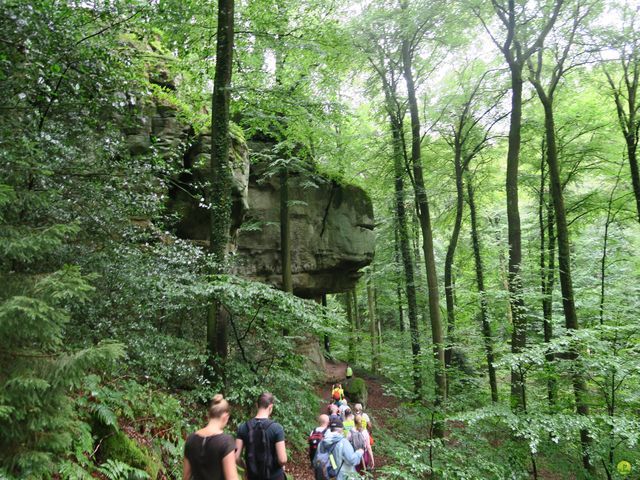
(209, 453)
(262, 440)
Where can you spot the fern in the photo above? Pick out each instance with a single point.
(117, 470)
(38, 421)
(105, 415)
(72, 471)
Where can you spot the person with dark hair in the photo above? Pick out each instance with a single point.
(209, 452)
(263, 441)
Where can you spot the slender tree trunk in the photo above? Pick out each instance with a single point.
(356, 311)
(547, 273)
(484, 306)
(564, 264)
(352, 329)
(449, 258)
(398, 263)
(327, 340)
(403, 239)
(516, 300)
(605, 245)
(405, 250)
(220, 181)
(628, 120)
(285, 232)
(427, 237)
(372, 324)
(632, 156)
(415, 237)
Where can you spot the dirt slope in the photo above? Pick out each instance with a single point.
(379, 408)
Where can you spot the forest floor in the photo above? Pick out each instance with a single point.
(379, 408)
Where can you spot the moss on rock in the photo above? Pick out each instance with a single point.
(120, 447)
(356, 391)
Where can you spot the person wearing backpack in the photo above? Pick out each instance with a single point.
(317, 435)
(348, 423)
(344, 406)
(366, 421)
(359, 439)
(336, 459)
(263, 441)
(337, 393)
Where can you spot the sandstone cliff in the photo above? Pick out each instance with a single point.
(331, 223)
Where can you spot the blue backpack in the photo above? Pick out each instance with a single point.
(324, 463)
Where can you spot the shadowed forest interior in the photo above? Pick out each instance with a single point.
(240, 196)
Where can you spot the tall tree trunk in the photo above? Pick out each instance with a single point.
(605, 245)
(285, 231)
(221, 182)
(427, 237)
(405, 250)
(632, 146)
(356, 311)
(352, 329)
(516, 300)
(415, 237)
(564, 264)
(398, 263)
(547, 273)
(628, 120)
(517, 51)
(403, 238)
(484, 306)
(327, 340)
(451, 252)
(372, 324)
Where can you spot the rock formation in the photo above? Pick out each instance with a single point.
(331, 233)
(331, 223)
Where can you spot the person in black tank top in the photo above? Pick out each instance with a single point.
(209, 453)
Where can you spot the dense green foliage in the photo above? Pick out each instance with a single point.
(103, 307)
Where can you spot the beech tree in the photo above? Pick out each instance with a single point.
(220, 196)
(519, 42)
(409, 45)
(545, 91)
(624, 88)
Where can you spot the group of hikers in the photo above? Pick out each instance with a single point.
(340, 447)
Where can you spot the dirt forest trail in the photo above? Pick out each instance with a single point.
(379, 407)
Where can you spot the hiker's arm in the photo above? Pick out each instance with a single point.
(351, 456)
(229, 466)
(186, 469)
(281, 451)
(239, 445)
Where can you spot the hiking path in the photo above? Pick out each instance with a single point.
(380, 407)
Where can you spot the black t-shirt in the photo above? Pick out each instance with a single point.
(205, 455)
(275, 434)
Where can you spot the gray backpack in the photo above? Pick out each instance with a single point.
(357, 439)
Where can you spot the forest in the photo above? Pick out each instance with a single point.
(238, 196)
